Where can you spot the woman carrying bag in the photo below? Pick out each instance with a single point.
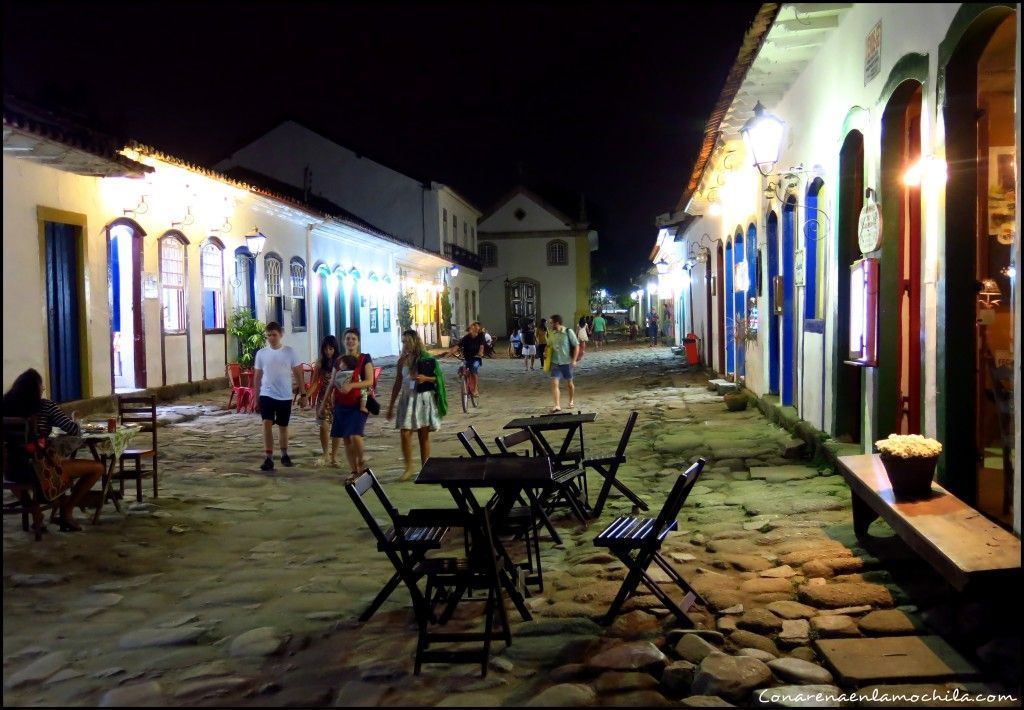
(422, 400)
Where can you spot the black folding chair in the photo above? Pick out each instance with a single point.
(524, 519)
(412, 534)
(470, 437)
(448, 579)
(608, 467)
(20, 478)
(637, 542)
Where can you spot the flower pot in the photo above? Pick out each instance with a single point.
(445, 340)
(911, 478)
(735, 402)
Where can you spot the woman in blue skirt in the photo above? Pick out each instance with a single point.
(348, 385)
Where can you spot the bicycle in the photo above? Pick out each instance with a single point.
(465, 391)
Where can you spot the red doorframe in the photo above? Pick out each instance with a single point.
(908, 415)
(721, 308)
(707, 300)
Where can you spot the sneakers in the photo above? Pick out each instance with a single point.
(268, 464)
(286, 460)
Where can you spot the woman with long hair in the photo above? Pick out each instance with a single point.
(419, 389)
(325, 364)
(349, 417)
(25, 399)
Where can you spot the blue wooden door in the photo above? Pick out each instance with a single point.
(788, 303)
(769, 318)
(729, 313)
(62, 305)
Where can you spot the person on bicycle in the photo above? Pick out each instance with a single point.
(472, 345)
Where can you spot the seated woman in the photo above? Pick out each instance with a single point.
(25, 399)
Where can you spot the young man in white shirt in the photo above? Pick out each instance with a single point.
(275, 365)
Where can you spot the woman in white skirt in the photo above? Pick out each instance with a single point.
(419, 390)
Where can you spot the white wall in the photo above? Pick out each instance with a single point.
(385, 198)
(535, 219)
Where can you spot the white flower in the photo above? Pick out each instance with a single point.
(909, 446)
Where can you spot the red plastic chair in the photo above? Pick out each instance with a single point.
(241, 392)
(307, 380)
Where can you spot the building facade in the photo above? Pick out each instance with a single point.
(123, 265)
(536, 262)
(428, 215)
(867, 276)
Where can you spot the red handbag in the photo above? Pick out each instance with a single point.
(351, 398)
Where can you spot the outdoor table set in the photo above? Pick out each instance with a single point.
(105, 447)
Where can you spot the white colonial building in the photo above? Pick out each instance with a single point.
(425, 214)
(123, 264)
(872, 263)
(536, 262)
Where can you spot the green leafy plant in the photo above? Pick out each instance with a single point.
(405, 306)
(250, 333)
(742, 333)
(446, 311)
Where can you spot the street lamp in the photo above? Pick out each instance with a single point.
(662, 266)
(454, 271)
(255, 242)
(763, 135)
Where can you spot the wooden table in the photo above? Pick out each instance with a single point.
(569, 423)
(506, 475)
(959, 542)
(107, 447)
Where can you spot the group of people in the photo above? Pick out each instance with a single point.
(339, 393)
(529, 341)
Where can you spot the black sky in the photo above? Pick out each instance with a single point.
(607, 99)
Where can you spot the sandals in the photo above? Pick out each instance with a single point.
(571, 405)
(556, 410)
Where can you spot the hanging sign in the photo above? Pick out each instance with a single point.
(150, 286)
(869, 225)
(873, 53)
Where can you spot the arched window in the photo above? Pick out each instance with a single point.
(298, 286)
(172, 280)
(273, 266)
(558, 253)
(488, 255)
(244, 283)
(211, 266)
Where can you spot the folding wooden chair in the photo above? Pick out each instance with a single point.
(23, 485)
(469, 437)
(608, 467)
(524, 519)
(637, 542)
(142, 411)
(413, 534)
(448, 579)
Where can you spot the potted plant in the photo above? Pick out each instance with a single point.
(405, 307)
(909, 461)
(735, 401)
(250, 333)
(446, 318)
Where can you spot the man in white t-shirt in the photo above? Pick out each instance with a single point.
(275, 365)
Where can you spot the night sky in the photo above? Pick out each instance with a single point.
(608, 100)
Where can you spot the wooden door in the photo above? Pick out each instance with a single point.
(62, 309)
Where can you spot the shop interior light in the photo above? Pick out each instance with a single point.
(990, 294)
(928, 168)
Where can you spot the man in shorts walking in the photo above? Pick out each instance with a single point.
(565, 347)
(600, 324)
(529, 345)
(275, 365)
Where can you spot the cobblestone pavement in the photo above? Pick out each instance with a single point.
(238, 587)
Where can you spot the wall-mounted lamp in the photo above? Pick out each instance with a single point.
(927, 169)
(662, 266)
(763, 134)
(454, 270)
(990, 294)
(187, 220)
(255, 241)
(141, 208)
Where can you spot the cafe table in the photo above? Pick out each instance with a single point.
(508, 476)
(569, 423)
(105, 447)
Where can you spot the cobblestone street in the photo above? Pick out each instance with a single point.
(238, 587)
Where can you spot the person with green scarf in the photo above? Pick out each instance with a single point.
(421, 396)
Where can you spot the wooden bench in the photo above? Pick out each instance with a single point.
(964, 546)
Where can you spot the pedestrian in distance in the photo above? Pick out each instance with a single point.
(422, 400)
(529, 345)
(323, 369)
(542, 338)
(652, 328)
(515, 343)
(600, 325)
(564, 347)
(583, 337)
(347, 396)
(488, 343)
(274, 367)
